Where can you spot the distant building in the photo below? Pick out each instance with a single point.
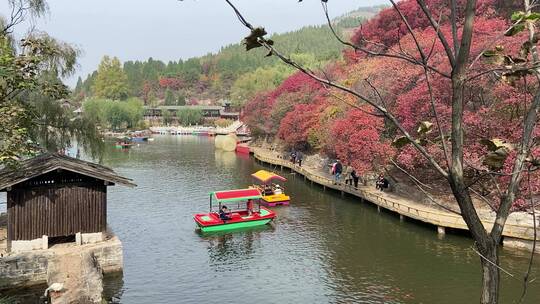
(208, 112)
(54, 198)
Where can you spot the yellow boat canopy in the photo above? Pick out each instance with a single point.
(265, 176)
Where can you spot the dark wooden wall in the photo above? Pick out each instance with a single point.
(56, 210)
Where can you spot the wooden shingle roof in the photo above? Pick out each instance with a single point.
(48, 162)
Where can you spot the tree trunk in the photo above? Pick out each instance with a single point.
(490, 275)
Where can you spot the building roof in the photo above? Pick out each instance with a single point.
(48, 162)
(223, 113)
(197, 107)
(236, 195)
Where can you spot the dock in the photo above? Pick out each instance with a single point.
(518, 231)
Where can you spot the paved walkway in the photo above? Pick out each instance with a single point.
(518, 231)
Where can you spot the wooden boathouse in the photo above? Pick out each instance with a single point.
(55, 196)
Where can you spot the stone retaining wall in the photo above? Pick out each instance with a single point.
(30, 268)
(24, 269)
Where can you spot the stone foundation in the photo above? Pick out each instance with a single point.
(23, 269)
(37, 244)
(91, 238)
(520, 243)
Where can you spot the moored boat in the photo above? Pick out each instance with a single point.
(273, 194)
(123, 143)
(246, 214)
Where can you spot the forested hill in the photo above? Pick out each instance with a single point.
(232, 73)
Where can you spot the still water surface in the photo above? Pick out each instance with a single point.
(321, 249)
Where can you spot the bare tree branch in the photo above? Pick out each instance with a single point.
(397, 55)
(421, 186)
(436, 26)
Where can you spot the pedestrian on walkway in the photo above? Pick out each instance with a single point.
(348, 177)
(299, 157)
(338, 169)
(355, 178)
(293, 156)
(382, 183)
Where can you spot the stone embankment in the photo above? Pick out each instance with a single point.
(78, 268)
(518, 231)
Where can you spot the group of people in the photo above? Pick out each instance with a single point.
(352, 177)
(296, 157)
(272, 189)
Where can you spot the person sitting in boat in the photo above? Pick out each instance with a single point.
(268, 190)
(224, 213)
(249, 206)
(278, 190)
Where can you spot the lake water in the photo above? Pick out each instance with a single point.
(321, 249)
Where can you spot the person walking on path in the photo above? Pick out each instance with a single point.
(355, 178)
(293, 156)
(338, 169)
(348, 177)
(299, 157)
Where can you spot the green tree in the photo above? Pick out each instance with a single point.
(167, 116)
(188, 116)
(170, 100)
(114, 114)
(111, 81)
(33, 113)
(260, 80)
(181, 98)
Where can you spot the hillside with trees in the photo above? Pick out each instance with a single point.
(228, 74)
(447, 95)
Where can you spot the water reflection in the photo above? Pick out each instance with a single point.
(225, 159)
(321, 249)
(113, 288)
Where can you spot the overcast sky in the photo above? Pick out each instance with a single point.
(170, 29)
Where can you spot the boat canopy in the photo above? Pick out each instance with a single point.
(265, 176)
(236, 195)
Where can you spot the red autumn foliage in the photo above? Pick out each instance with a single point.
(257, 114)
(263, 114)
(388, 27)
(357, 141)
(296, 125)
(493, 109)
(171, 83)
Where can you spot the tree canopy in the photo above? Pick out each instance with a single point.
(229, 73)
(110, 81)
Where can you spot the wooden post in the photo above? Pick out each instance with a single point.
(342, 193)
(378, 208)
(401, 218)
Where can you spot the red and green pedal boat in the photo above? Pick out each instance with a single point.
(247, 211)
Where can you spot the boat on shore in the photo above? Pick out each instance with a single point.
(245, 215)
(273, 194)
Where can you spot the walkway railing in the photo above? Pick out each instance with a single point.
(518, 226)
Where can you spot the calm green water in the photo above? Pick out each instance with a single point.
(321, 249)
